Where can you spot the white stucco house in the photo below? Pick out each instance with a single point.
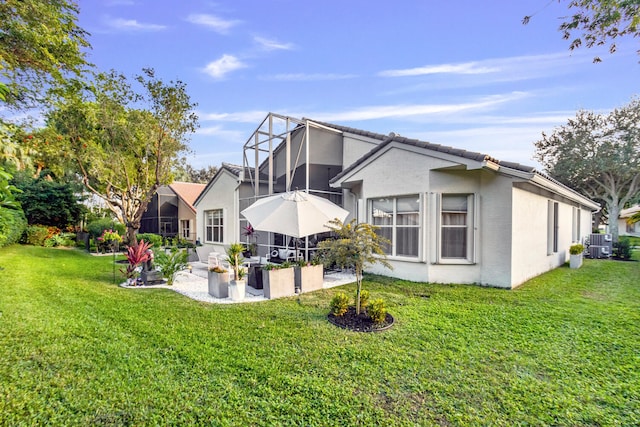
(626, 229)
(452, 216)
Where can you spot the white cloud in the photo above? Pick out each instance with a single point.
(301, 77)
(218, 69)
(464, 68)
(217, 24)
(255, 116)
(269, 44)
(219, 131)
(407, 110)
(500, 69)
(133, 25)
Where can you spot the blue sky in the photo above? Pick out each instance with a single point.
(465, 73)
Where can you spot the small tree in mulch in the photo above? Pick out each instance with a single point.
(355, 246)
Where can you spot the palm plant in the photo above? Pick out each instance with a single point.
(235, 258)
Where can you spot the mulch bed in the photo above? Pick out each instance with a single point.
(360, 323)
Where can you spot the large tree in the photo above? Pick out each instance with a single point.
(122, 143)
(40, 45)
(598, 22)
(599, 155)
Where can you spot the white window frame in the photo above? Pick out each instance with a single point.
(187, 229)
(213, 214)
(394, 225)
(553, 213)
(575, 235)
(471, 226)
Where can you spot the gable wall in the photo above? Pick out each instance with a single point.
(221, 194)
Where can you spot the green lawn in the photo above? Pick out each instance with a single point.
(75, 349)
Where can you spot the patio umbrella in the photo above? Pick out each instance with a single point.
(296, 213)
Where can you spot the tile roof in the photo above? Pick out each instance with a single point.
(187, 191)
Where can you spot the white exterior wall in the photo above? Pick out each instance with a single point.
(222, 194)
(356, 146)
(530, 225)
(622, 228)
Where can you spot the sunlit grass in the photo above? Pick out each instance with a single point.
(75, 349)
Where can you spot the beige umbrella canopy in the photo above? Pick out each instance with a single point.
(295, 213)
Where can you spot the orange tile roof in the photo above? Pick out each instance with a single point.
(187, 191)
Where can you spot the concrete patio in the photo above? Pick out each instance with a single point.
(195, 285)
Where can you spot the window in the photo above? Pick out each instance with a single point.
(575, 235)
(552, 227)
(456, 227)
(214, 226)
(399, 222)
(185, 228)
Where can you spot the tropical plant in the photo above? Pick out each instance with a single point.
(7, 191)
(136, 255)
(170, 264)
(339, 304)
(377, 311)
(235, 258)
(356, 245)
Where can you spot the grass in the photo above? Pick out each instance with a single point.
(75, 349)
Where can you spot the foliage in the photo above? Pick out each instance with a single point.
(234, 257)
(47, 201)
(218, 269)
(339, 304)
(599, 22)
(598, 155)
(356, 245)
(364, 298)
(62, 239)
(77, 350)
(187, 173)
(634, 218)
(171, 263)
(622, 249)
(154, 239)
(242, 272)
(40, 45)
(7, 191)
(123, 141)
(12, 225)
(37, 234)
(136, 255)
(97, 228)
(377, 310)
(576, 249)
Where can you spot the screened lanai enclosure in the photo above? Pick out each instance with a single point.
(161, 216)
(286, 154)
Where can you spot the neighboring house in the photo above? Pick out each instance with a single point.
(626, 229)
(452, 216)
(171, 212)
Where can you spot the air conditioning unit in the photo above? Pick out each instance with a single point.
(596, 251)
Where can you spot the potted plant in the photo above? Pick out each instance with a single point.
(235, 259)
(308, 276)
(218, 282)
(237, 286)
(575, 255)
(278, 280)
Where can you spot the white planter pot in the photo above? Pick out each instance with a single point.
(237, 290)
(309, 278)
(278, 283)
(219, 284)
(575, 261)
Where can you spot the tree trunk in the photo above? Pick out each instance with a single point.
(614, 213)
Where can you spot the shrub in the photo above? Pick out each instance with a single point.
(97, 227)
(339, 304)
(622, 249)
(12, 226)
(136, 255)
(377, 310)
(576, 249)
(364, 298)
(171, 263)
(218, 269)
(153, 239)
(37, 234)
(54, 241)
